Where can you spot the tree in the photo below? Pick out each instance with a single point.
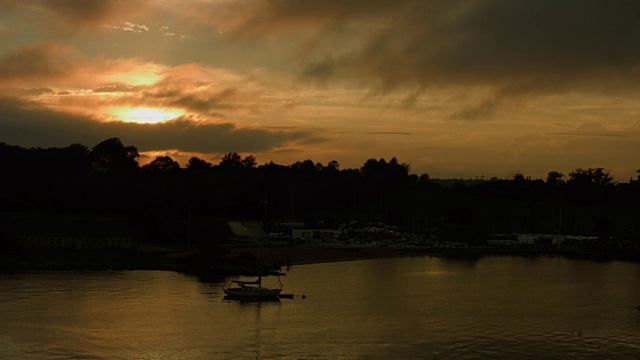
(589, 185)
(385, 176)
(249, 162)
(555, 177)
(307, 167)
(333, 165)
(77, 150)
(370, 168)
(596, 176)
(398, 170)
(161, 164)
(231, 160)
(198, 165)
(111, 156)
(76, 158)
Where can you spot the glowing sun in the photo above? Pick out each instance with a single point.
(145, 115)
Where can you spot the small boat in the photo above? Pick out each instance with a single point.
(250, 289)
(254, 289)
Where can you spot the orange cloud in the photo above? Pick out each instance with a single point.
(52, 64)
(28, 124)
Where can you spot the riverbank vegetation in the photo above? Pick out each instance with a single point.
(167, 204)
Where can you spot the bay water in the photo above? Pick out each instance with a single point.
(394, 308)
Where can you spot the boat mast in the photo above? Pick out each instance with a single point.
(266, 234)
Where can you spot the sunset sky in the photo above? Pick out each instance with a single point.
(454, 88)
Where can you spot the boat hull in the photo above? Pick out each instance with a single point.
(252, 293)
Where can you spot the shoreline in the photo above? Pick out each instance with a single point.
(245, 260)
(311, 254)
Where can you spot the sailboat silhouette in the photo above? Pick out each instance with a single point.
(254, 289)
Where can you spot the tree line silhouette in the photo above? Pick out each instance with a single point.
(161, 197)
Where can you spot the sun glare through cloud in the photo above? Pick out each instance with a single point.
(144, 115)
(489, 96)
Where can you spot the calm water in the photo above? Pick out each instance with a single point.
(406, 308)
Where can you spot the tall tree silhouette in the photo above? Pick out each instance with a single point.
(555, 178)
(111, 156)
(162, 164)
(597, 177)
(198, 165)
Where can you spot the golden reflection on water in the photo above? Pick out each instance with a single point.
(400, 308)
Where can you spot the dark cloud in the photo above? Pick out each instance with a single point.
(194, 137)
(262, 18)
(67, 17)
(199, 102)
(26, 124)
(322, 70)
(516, 48)
(482, 110)
(90, 10)
(92, 13)
(36, 62)
(38, 91)
(177, 95)
(590, 126)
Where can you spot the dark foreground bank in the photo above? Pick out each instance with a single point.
(246, 260)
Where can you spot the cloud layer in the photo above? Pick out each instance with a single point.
(508, 49)
(553, 83)
(29, 125)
